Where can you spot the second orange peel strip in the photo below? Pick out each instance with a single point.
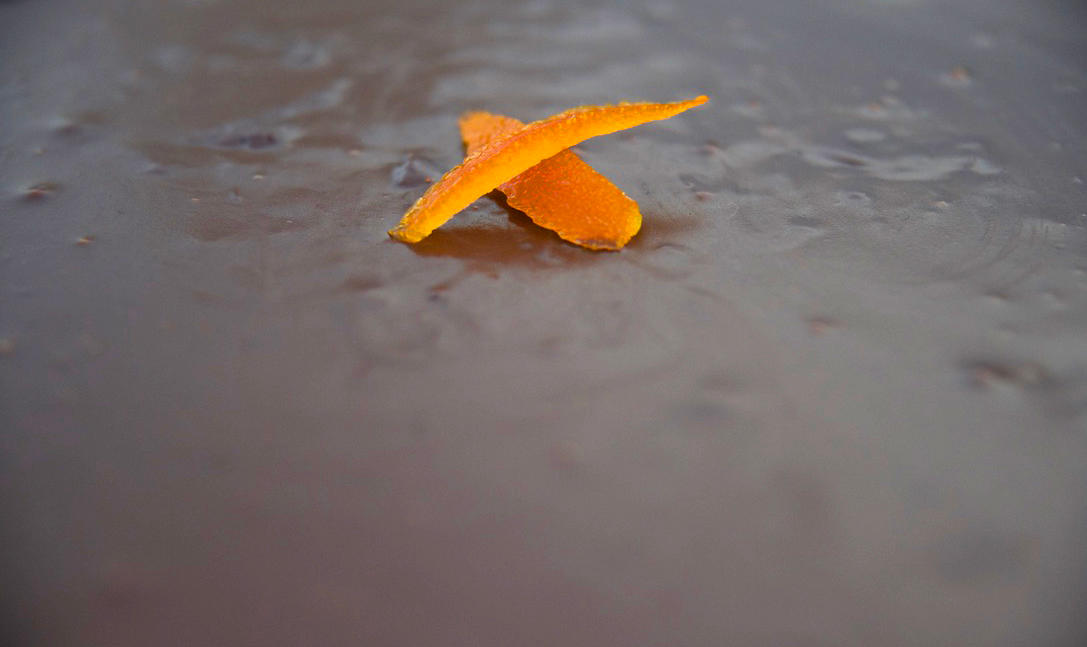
(561, 193)
(503, 159)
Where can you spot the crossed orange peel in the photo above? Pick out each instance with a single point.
(532, 166)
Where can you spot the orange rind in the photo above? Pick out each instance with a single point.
(562, 193)
(502, 157)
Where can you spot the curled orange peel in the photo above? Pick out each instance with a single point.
(500, 159)
(561, 193)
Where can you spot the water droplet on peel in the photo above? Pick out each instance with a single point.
(84, 240)
(258, 176)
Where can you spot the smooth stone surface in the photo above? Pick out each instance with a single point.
(834, 393)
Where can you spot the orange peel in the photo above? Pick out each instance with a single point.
(502, 159)
(562, 193)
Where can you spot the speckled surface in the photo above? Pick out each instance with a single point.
(834, 393)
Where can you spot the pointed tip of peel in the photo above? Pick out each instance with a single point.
(404, 235)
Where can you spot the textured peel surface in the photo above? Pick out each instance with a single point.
(562, 193)
(501, 160)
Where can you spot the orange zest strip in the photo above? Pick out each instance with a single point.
(561, 193)
(502, 160)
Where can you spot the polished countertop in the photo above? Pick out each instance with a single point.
(834, 393)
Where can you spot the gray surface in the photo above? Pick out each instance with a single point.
(835, 393)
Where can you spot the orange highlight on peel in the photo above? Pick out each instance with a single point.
(500, 159)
